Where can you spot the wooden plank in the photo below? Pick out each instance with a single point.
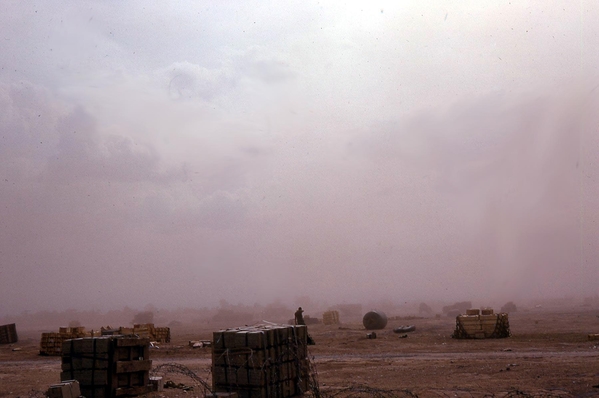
(133, 366)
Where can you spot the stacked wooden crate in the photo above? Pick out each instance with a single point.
(330, 318)
(72, 331)
(8, 334)
(162, 335)
(108, 366)
(261, 361)
(145, 330)
(486, 325)
(51, 343)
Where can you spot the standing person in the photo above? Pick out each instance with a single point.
(299, 317)
(299, 320)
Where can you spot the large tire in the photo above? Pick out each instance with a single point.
(374, 320)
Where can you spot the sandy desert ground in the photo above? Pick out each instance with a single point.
(548, 355)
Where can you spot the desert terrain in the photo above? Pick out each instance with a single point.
(548, 355)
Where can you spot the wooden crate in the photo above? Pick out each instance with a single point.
(162, 334)
(144, 330)
(330, 318)
(261, 361)
(66, 389)
(51, 343)
(488, 325)
(8, 334)
(148, 330)
(109, 366)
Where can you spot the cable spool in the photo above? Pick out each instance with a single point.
(375, 320)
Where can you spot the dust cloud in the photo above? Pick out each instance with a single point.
(138, 173)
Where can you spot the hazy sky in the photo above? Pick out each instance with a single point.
(179, 153)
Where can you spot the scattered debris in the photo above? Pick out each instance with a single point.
(200, 343)
(17, 349)
(594, 336)
(404, 329)
(168, 368)
(371, 335)
(403, 336)
(180, 386)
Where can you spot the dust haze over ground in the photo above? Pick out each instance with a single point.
(181, 155)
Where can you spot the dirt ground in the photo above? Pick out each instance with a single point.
(548, 355)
